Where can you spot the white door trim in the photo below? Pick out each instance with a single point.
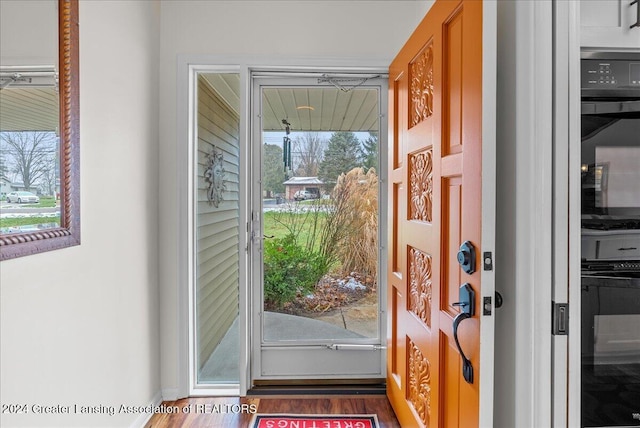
(541, 170)
(524, 213)
(488, 228)
(573, 217)
(566, 212)
(188, 260)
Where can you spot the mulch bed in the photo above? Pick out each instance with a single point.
(331, 292)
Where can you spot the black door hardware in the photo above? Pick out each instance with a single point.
(560, 319)
(467, 257)
(487, 305)
(637, 24)
(499, 300)
(487, 260)
(468, 307)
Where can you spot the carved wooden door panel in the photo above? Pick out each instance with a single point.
(435, 185)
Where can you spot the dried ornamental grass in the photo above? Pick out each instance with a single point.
(356, 193)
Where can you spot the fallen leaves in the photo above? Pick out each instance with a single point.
(331, 292)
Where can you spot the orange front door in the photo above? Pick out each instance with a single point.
(435, 186)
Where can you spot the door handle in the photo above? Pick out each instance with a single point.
(467, 304)
(637, 24)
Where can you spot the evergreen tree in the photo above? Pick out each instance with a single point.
(370, 151)
(272, 168)
(342, 155)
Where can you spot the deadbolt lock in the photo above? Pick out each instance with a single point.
(467, 257)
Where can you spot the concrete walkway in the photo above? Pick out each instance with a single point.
(361, 319)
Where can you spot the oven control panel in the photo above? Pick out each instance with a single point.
(610, 74)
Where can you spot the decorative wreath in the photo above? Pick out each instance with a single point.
(214, 175)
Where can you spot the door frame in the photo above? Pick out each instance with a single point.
(489, 196)
(528, 170)
(188, 218)
(188, 66)
(566, 362)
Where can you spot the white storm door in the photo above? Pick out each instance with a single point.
(316, 312)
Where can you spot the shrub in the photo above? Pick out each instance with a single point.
(289, 269)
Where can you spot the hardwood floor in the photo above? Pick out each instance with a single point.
(235, 412)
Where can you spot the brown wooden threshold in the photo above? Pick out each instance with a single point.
(318, 387)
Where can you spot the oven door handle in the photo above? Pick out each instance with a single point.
(610, 107)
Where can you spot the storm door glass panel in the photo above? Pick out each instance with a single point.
(217, 170)
(320, 193)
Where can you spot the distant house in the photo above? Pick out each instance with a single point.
(5, 186)
(310, 184)
(17, 186)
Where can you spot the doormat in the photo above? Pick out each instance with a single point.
(314, 421)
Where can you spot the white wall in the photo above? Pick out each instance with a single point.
(276, 32)
(28, 33)
(80, 325)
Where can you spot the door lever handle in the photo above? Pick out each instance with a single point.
(467, 368)
(467, 298)
(636, 2)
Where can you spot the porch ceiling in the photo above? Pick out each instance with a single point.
(307, 108)
(29, 109)
(320, 109)
(29, 98)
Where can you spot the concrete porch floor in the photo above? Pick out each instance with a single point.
(345, 323)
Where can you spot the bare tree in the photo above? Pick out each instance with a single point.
(50, 176)
(4, 171)
(308, 149)
(30, 154)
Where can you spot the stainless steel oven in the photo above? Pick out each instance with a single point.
(610, 229)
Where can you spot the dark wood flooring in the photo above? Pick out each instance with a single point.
(235, 412)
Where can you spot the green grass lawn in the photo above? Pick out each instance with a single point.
(27, 221)
(275, 225)
(45, 202)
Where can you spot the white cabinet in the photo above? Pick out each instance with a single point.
(607, 24)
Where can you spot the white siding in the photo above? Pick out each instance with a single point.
(217, 227)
